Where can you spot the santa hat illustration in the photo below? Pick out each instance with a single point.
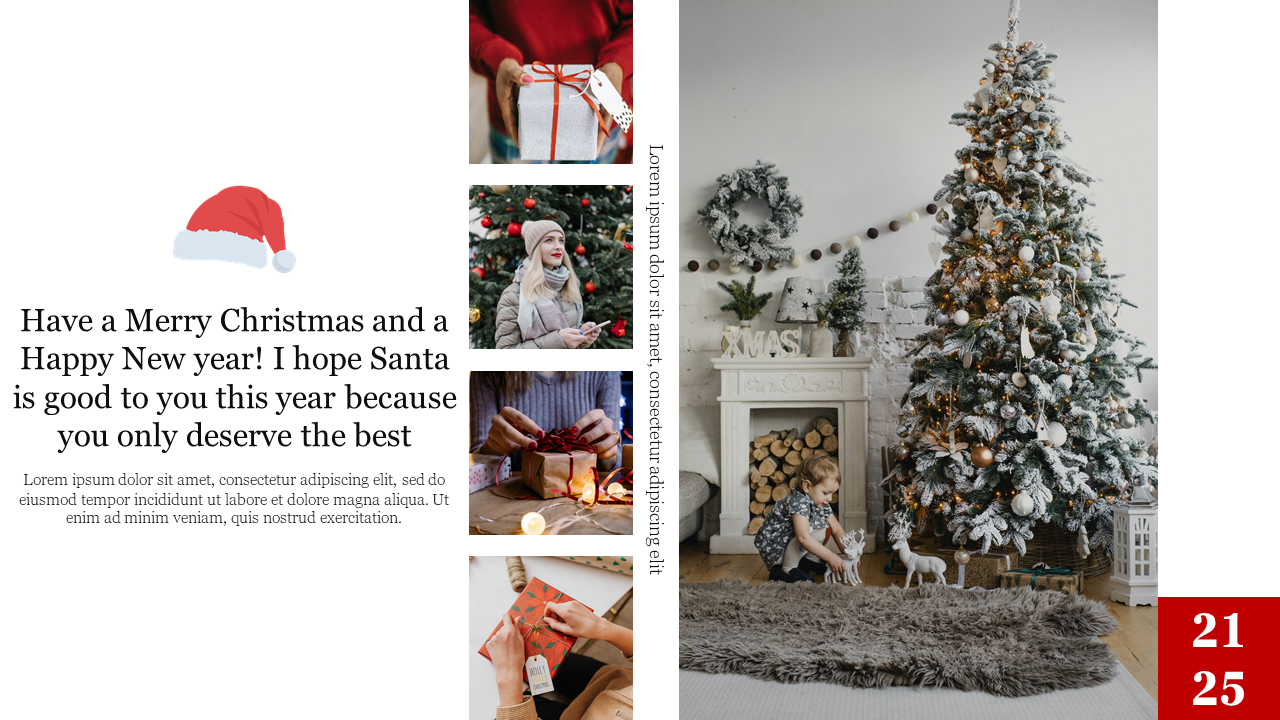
(237, 225)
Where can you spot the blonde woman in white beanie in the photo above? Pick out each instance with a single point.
(542, 308)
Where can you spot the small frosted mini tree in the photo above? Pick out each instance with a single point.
(1017, 396)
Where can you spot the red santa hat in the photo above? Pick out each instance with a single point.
(239, 224)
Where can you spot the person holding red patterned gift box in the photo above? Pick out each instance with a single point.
(507, 35)
(589, 682)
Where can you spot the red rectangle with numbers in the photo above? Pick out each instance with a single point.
(1198, 660)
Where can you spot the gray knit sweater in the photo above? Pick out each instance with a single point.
(552, 402)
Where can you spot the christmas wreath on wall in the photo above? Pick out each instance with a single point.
(745, 244)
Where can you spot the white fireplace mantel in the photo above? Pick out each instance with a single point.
(838, 384)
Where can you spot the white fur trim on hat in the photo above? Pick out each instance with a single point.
(222, 245)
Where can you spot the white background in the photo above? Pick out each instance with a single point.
(119, 120)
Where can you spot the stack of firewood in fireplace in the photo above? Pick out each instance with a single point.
(775, 458)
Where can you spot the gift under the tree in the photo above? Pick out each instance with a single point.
(528, 613)
(558, 116)
(560, 466)
(486, 470)
(983, 569)
(1045, 578)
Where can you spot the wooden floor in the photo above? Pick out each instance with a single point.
(1135, 643)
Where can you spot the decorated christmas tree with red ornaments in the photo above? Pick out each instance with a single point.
(1019, 405)
(597, 222)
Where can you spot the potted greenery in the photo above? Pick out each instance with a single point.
(745, 303)
(821, 339)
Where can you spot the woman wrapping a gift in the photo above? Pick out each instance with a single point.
(510, 409)
(542, 308)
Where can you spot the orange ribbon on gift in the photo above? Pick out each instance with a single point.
(559, 77)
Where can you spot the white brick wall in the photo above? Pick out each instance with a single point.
(891, 326)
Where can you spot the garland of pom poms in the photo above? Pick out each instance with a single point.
(815, 254)
(744, 244)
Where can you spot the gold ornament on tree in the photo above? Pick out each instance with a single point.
(981, 456)
(501, 189)
(473, 314)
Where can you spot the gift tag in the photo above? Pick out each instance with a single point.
(539, 675)
(610, 99)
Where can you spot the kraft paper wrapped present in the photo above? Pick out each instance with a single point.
(559, 118)
(558, 474)
(982, 570)
(528, 612)
(626, 455)
(485, 470)
(1065, 579)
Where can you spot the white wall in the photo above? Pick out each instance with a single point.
(852, 101)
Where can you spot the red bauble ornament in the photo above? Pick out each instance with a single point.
(513, 229)
(590, 286)
(581, 250)
(486, 221)
(509, 208)
(586, 202)
(529, 203)
(628, 246)
(479, 272)
(628, 188)
(480, 195)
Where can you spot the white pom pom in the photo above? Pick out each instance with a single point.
(1026, 253)
(284, 261)
(1083, 273)
(1039, 167)
(1057, 175)
(1046, 74)
(961, 317)
(913, 216)
(1057, 434)
(735, 268)
(795, 261)
(1051, 304)
(855, 241)
(989, 68)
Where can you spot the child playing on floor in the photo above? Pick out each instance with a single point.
(791, 539)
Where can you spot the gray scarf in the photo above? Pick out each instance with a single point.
(543, 315)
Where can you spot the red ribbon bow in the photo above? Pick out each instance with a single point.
(560, 77)
(620, 328)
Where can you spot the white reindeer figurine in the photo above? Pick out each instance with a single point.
(851, 553)
(919, 563)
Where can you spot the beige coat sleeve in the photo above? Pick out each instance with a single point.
(508, 333)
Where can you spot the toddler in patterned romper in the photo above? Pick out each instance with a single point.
(791, 540)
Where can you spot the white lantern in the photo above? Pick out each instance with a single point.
(1135, 566)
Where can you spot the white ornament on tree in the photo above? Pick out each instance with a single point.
(961, 317)
(971, 174)
(1057, 434)
(966, 234)
(1015, 156)
(1028, 105)
(1051, 305)
(1039, 167)
(986, 220)
(1083, 273)
(1057, 176)
(1127, 421)
(1022, 504)
(1028, 352)
(1000, 163)
(1018, 380)
(1026, 253)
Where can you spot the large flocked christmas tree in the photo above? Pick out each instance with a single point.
(597, 222)
(1018, 397)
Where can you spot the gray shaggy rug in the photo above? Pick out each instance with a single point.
(1005, 642)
